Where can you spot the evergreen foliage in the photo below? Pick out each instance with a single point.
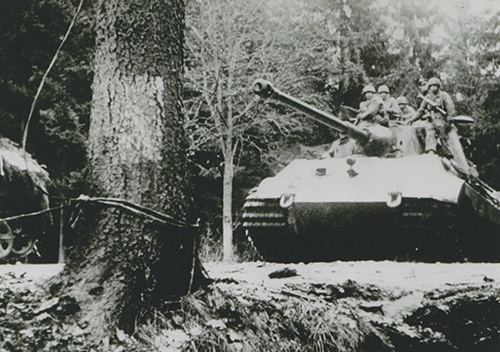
(30, 32)
(322, 52)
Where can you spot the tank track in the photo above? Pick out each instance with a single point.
(264, 213)
(267, 229)
(420, 230)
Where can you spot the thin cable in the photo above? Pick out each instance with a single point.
(151, 212)
(42, 82)
(35, 213)
(130, 207)
(145, 212)
(125, 204)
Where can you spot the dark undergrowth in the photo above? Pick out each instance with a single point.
(221, 319)
(232, 315)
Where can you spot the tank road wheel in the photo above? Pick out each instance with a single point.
(6, 239)
(23, 245)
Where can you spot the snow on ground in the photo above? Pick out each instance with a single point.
(416, 306)
(31, 271)
(384, 274)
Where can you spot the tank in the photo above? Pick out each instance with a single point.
(23, 189)
(378, 197)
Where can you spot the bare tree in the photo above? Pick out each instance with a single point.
(230, 44)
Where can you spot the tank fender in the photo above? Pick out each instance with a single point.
(484, 202)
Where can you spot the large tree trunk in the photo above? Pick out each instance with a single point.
(136, 152)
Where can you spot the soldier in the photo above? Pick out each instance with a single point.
(343, 146)
(390, 104)
(422, 85)
(372, 108)
(436, 106)
(407, 112)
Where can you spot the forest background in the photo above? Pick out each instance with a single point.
(323, 52)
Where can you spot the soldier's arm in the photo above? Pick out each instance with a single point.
(412, 113)
(420, 112)
(374, 107)
(449, 105)
(362, 110)
(394, 109)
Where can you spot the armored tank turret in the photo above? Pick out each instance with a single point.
(378, 197)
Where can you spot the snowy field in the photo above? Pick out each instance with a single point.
(384, 274)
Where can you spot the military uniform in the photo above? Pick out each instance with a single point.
(437, 121)
(372, 110)
(407, 112)
(391, 108)
(344, 146)
(442, 99)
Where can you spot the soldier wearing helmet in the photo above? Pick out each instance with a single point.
(422, 85)
(436, 107)
(390, 104)
(407, 112)
(372, 108)
(368, 89)
(440, 99)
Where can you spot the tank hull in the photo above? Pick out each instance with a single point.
(409, 210)
(420, 229)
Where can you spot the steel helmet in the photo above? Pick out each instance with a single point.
(402, 100)
(383, 89)
(422, 82)
(434, 81)
(368, 88)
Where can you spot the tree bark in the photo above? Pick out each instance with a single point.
(227, 208)
(136, 152)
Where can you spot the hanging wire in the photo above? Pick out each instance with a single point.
(125, 205)
(42, 82)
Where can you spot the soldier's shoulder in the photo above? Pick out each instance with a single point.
(444, 93)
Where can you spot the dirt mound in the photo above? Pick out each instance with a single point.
(28, 322)
(348, 289)
(32, 320)
(227, 317)
(235, 316)
(248, 311)
(463, 318)
(411, 307)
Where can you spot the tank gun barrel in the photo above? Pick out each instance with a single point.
(265, 89)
